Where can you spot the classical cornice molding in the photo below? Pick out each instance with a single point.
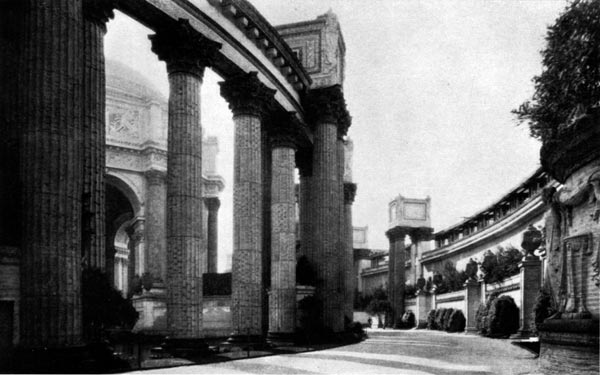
(247, 95)
(155, 177)
(183, 48)
(99, 11)
(349, 192)
(327, 105)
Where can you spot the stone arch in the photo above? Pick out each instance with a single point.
(129, 190)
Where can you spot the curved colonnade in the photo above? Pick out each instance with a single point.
(282, 120)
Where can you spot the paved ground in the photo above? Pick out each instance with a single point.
(387, 352)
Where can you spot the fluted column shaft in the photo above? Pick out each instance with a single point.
(396, 276)
(155, 225)
(282, 299)
(212, 239)
(184, 206)
(326, 210)
(96, 14)
(342, 251)
(248, 99)
(349, 194)
(48, 101)
(305, 204)
(186, 53)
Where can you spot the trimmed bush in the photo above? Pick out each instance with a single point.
(431, 320)
(439, 318)
(456, 322)
(408, 320)
(503, 317)
(446, 318)
(482, 314)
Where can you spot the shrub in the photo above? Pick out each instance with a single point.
(543, 309)
(503, 317)
(439, 318)
(431, 320)
(446, 318)
(457, 322)
(482, 314)
(408, 320)
(410, 290)
(103, 306)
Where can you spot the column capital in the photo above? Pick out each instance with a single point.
(349, 192)
(155, 177)
(285, 130)
(212, 203)
(247, 95)
(99, 11)
(183, 48)
(396, 233)
(327, 105)
(421, 234)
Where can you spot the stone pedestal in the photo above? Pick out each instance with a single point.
(422, 308)
(186, 53)
(473, 300)
(531, 281)
(249, 99)
(282, 296)
(48, 100)
(212, 238)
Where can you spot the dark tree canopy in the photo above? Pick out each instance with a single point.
(569, 85)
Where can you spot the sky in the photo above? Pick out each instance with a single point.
(430, 86)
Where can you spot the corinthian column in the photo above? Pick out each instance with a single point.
(349, 194)
(212, 242)
(282, 297)
(96, 14)
(186, 53)
(249, 100)
(155, 225)
(327, 108)
(48, 102)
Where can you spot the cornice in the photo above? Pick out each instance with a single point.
(183, 48)
(256, 27)
(517, 219)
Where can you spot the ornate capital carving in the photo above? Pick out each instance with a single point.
(155, 177)
(184, 49)
(327, 105)
(99, 11)
(285, 130)
(247, 95)
(136, 231)
(212, 203)
(349, 192)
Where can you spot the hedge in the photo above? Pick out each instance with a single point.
(503, 317)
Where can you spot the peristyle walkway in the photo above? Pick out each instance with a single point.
(388, 352)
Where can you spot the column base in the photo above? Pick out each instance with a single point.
(569, 346)
(471, 331)
(185, 347)
(245, 342)
(281, 338)
(152, 307)
(91, 358)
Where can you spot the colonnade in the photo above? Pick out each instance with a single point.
(59, 112)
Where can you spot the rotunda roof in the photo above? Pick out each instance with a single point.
(121, 77)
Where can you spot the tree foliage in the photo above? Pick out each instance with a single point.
(501, 264)
(569, 84)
